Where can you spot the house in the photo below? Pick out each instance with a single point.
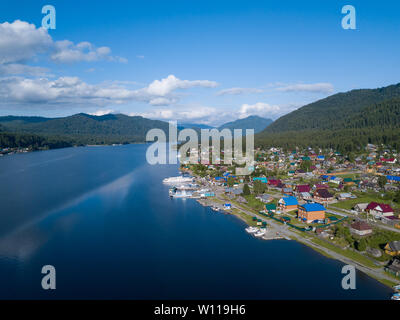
(288, 203)
(262, 179)
(321, 186)
(227, 206)
(379, 209)
(360, 228)
(264, 198)
(360, 207)
(390, 160)
(393, 178)
(344, 196)
(393, 248)
(306, 195)
(288, 191)
(310, 212)
(390, 220)
(270, 207)
(303, 188)
(323, 196)
(274, 182)
(394, 267)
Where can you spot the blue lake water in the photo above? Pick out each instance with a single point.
(102, 217)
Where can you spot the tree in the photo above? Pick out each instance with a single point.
(230, 182)
(306, 165)
(361, 245)
(259, 187)
(396, 197)
(382, 180)
(246, 189)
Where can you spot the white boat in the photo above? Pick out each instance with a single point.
(395, 296)
(260, 233)
(182, 194)
(397, 287)
(251, 230)
(177, 180)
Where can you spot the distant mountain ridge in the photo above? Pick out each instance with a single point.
(84, 128)
(251, 122)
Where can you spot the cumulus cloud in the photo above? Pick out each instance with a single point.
(22, 69)
(102, 112)
(199, 114)
(261, 109)
(21, 41)
(314, 87)
(74, 90)
(238, 91)
(160, 92)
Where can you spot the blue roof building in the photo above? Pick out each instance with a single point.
(290, 201)
(393, 178)
(309, 207)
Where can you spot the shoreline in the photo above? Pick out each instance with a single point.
(384, 279)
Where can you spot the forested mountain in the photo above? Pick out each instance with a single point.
(252, 122)
(83, 128)
(326, 113)
(377, 123)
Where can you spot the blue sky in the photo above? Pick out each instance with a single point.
(195, 61)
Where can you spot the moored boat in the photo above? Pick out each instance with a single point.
(395, 296)
(178, 180)
(260, 233)
(251, 230)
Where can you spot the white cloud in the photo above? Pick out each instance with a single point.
(17, 68)
(165, 86)
(199, 113)
(238, 91)
(21, 41)
(73, 90)
(160, 92)
(261, 109)
(102, 112)
(314, 87)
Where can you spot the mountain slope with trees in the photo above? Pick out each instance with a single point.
(85, 129)
(345, 122)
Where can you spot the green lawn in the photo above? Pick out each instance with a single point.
(361, 198)
(347, 253)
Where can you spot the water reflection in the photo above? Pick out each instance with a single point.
(29, 237)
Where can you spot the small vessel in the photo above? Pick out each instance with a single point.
(251, 230)
(178, 180)
(260, 233)
(397, 288)
(215, 208)
(395, 296)
(182, 194)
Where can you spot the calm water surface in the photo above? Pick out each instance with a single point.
(103, 218)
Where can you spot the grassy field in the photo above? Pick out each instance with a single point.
(361, 198)
(347, 253)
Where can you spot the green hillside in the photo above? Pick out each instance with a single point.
(377, 123)
(84, 129)
(328, 112)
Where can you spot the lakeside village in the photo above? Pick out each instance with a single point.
(344, 206)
